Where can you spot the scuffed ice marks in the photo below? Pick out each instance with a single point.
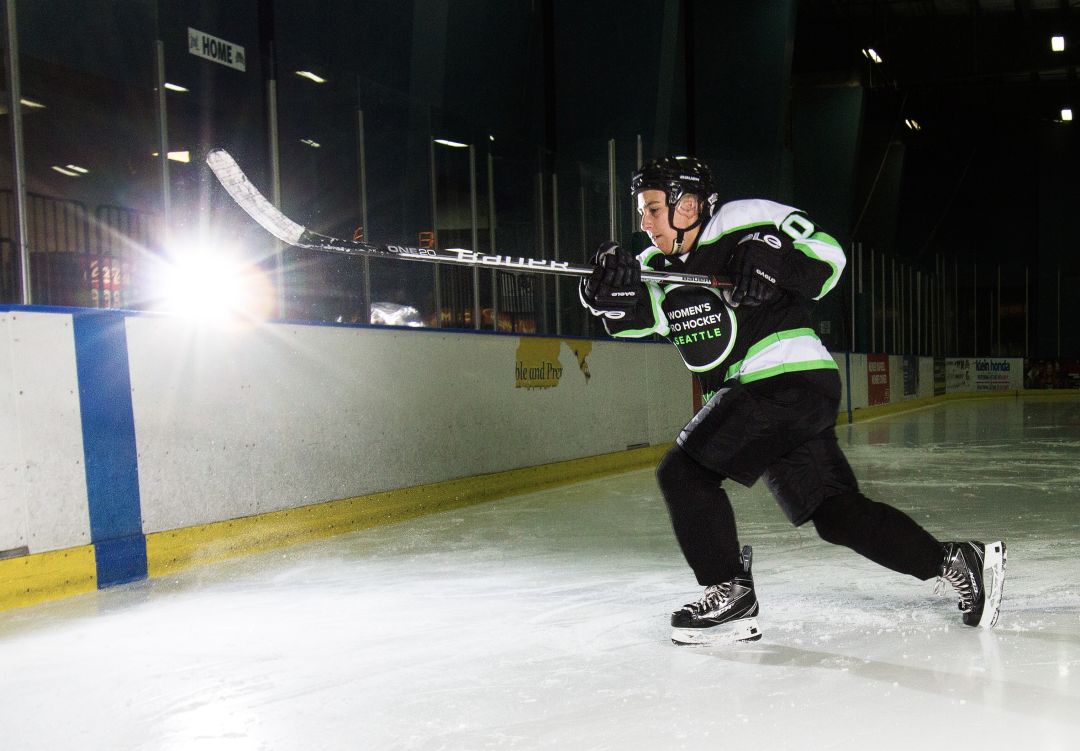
(1030, 465)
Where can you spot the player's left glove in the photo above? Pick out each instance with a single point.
(614, 287)
(757, 270)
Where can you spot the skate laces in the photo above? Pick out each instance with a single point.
(715, 595)
(951, 573)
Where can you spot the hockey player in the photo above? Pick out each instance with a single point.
(771, 395)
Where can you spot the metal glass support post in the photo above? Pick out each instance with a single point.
(611, 189)
(939, 316)
(936, 343)
(997, 310)
(1027, 302)
(639, 160)
(18, 157)
(475, 235)
(931, 313)
(885, 303)
(904, 321)
(275, 180)
(975, 306)
(491, 240)
(928, 333)
(909, 304)
(163, 142)
(873, 304)
(555, 248)
(541, 237)
(361, 153)
(895, 307)
(919, 312)
(851, 278)
(912, 317)
(435, 230)
(584, 239)
(900, 317)
(943, 293)
(956, 305)
(939, 306)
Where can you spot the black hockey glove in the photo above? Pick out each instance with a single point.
(614, 287)
(757, 268)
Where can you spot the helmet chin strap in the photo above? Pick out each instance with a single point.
(676, 247)
(680, 232)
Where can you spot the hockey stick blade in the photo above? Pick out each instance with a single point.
(248, 197)
(270, 218)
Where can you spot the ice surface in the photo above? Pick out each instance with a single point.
(540, 621)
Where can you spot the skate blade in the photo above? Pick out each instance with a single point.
(994, 581)
(744, 629)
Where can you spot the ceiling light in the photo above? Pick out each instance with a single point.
(77, 168)
(451, 144)
(913, 124)
(871, 54)
(65, 171)
(32, 104)
(175, 87)
(1057, 44)
(309, 142)
(310, 76)
(176, 156)
(1066, 114)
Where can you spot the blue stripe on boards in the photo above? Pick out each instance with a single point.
(108, 426)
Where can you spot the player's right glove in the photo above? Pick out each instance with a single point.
(614, 287)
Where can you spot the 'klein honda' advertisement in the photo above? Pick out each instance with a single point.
(984, 374)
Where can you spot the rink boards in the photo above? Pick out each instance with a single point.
(137, 444)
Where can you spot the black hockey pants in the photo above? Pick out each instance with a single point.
(704, 525)
(782, 430)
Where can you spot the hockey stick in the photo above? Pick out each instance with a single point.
(233, 179)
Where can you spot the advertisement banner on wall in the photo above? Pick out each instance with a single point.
(958, 375)
(998, 374)
(983, 374)
(537, 364)
(939, 376)
(911, 375)
(877, 379)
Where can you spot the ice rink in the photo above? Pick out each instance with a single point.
(541, 621)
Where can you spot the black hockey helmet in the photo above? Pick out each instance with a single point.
(678, 176)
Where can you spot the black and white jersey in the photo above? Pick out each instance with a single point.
(719, 342)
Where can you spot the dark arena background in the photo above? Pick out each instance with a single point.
(265, 490)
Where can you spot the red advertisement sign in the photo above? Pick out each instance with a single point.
(877, 379)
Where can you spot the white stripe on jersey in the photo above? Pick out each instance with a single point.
(736, 215)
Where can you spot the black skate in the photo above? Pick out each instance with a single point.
(977, 572)
(724, 614)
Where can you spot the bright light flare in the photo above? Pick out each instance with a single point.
(213, 286)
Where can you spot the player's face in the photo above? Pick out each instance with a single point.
(655, 219)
